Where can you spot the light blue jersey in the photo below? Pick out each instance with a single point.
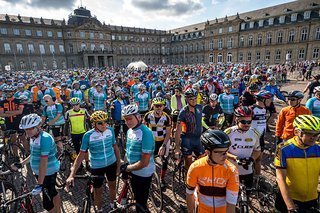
(98, 99)
(140, 141)
(51, 112)
(77, 94)
(100, 146)
(47, 91)
(227, 102)
(313, 104)
(134, 89)
(44, 146)
(142, 100)
(26, 93)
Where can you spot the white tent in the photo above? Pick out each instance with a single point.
(137, 65)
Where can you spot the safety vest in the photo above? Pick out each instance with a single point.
(77, 121)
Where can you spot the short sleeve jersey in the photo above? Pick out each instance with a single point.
(210, 114)
(142, 100)
(51, 112)
(44, 146)
(140, 141)
(158, 125)
(100, 146)
(191, 120)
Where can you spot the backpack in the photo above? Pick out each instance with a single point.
(63, 111)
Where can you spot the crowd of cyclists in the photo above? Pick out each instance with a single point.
(214, 117)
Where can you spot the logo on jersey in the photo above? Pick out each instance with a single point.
(248, 140)
(236, 146)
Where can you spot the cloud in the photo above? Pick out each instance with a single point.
(57, 4)
(167, 7)
(215, 2)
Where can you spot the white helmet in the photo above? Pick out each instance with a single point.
(29, 121)
(316, 89)
(130, 110)
(213, 97)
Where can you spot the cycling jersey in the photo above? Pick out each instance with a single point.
(98, 99)
(158, 125)
(313, 104)
(274, 89)
(242, 145)
(134, 90)
(247, 99)
(210, 114)
(215, 185)
(77, 94)
(140, 141)
(142, 100)
(51, 112)
(26, 93)
(11, 104)
(77, 120)
(100, 146)
(227, 102)
(41, 93)
(191, 122)
(44, 146)
(235, 92)
(259, 119)
(303, 168)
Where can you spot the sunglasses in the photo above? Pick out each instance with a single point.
(292, 99)
(310, 134)
(101, 122)
(245, 122)
(192, 99)
(46, 101)
(221, 152)
(158, 105)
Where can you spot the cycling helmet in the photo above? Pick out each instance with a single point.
(212, 139)
(307, 122)
(243, 111)
(316, 89)
(159, 100)
(253, 87)
(23, 98)
(190, 93)
(74, 101)
(29, 121)
(8, 88)
(177, 87)
(118, 92)
(271, 79)
(296, 94)
(213, 97)
(20, 85)
(83, 87)
(141, 86)
(131, 109)
(263, 94)
(227, 86)
(98, 116)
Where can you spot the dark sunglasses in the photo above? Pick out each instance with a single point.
(101, 122)
(46, 101)
(158, 105)
(310, 134)
(292, 99)
(245, 122)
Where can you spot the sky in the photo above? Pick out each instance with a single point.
(154, 14)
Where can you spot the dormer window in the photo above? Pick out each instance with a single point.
(243, 26)
(260, 23)
(306, 14)
(281, 19)
(271, 21)
(251, 24)
(294, 17)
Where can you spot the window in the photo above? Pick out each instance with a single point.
(220, 30)
(243, 26)
(278, 55)
(69, 34)
(59, 34)
(101, 47)
(49, 33)
(291, 36)
(271, 21)
(229, 43)
(126, 38)
(315, 53)
(259, 40)
(61, 48)
(70, 48)
(241, 43)
(294, 17)
(191, 47)
(31, 48)
(7, 48)
(142, 39)
(279, 37)
(82, 34)
(51, 48)
(16, 32)
(229, 57)
(127, 50)
(230, 29)
(240, 56)
(219, 58)
(220, 44)
(92, 47)
(306, 15)
(304, 34)
(28, 32)
(91, 35)
(113, 37)
(211, 45)
(269, 38)
(101, 35)
(211, 58)
(258, 56)
(249, 55)
(260, 23)
(267, 56)
(317, 37)
(39, 33)
(250, 40)
(281, 19)
(3, 31)
(301, 54)
(289, 55)
(42, 49)
(19, 48)
(83, 46)
(251, 24)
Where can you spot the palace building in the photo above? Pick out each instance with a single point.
(288, 32)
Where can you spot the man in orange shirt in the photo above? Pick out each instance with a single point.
(284, 126)
(56, 91)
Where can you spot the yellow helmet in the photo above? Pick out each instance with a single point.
(159, 100)
(307, 122)
(98, 116)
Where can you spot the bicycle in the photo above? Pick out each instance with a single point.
(178, 182)
(121, 140)
(155, 193)
(300, 76)
(243, 204)
(7, 192)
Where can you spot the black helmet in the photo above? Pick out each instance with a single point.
(190, 93)
(296, 94)
(212, 139)
(254, 87)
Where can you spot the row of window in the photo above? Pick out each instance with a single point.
(34, 65)
(28, 32)
(31, 49)
(136, 39)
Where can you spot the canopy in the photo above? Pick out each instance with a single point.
(137, 65)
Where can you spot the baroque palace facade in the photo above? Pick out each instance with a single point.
(288, 32)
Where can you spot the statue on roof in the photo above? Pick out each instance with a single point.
(208, 22)
(238, 15)
(7, 17)
(41, 20)
(31, 20)
(63, 22)
(19, 17)
(226, 18)
(52, 22)
(216, 20)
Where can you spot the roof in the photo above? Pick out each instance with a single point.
(24, 19)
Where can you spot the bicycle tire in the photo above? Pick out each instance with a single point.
(8, 186)
(178, 185)
(64, 171)
(299, 77)
(265, 194)
(155, 193)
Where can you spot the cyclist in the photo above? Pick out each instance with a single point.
(177, 102)
(297, 162)
(284, 128)
(22, 91)
(227, 102)
(142, 99)
(98, 98)
(313, 84)
(313, 104)
(139, 153)
(43, 161)
(248, 98)
(214, 178)
(189, 129)
(245, 144)
(159, 123)
(211, 112)
(76, 92)
(104, 156)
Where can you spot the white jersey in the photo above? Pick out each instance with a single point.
(242, 145)
(259, 120)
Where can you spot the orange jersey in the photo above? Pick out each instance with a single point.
(34, 91)
(57, 92)
(215, 185)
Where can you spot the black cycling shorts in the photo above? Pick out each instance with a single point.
(109, 171)
(49, 184)
(57, 130)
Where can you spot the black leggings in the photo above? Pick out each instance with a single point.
(76, 140)
(140, 187)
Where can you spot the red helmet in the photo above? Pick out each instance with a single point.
(243, 111)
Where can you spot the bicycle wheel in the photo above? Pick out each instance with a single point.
(8, 192)
(178, 184)
(64, 170)
(155, 193)
(299, 77)
(265, 194)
